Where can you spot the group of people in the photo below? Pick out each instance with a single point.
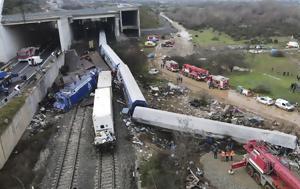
(162, 65)
(179, 78)
(226, 154)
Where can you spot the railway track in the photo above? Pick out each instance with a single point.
(65, 176)
(106, 171)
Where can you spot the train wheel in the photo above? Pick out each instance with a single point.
(250, 170)
(256, 177)
(267, 186)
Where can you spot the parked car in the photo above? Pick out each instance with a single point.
(150, 44)
(284, 104)
(265, 100)
(153, 71)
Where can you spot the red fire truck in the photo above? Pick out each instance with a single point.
(26, 53)
(266, 168)
(194, 72)
(218, 81)
(172, 66)
(29, 55)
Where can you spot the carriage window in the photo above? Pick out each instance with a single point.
(102, 126)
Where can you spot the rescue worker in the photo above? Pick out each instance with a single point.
(215, 152)
(223, 155)
(227, 153)
(209, 83)
(231, 155)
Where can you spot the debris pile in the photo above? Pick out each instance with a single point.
(196, 180)
(42, 120)
(177, 98)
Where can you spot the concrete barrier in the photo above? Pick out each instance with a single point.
(12, 134)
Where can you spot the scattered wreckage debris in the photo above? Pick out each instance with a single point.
(195, 180)
(185, 123)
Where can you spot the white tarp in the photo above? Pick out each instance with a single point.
(206, 127)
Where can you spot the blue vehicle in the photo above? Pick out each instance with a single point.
(6, 80)
(73, 93)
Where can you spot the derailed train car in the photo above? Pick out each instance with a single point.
(102, 38)
(133, 94)
(110, 57)
(103, 111)
(168, 120)
(73, 93)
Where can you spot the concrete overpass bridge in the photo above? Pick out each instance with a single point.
(17, 30)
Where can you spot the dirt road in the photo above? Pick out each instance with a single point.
(185, 46)
(221, 179)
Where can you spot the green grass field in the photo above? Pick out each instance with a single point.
(209, 37)
(9, 111)
(262, 74)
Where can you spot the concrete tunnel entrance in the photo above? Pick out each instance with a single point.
(130, 24)
(43, 35)
(86, 30)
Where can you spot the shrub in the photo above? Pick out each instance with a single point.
(261, 88)
(215, 38)
(8, 111)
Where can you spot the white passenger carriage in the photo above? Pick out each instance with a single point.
(133, 94)
(102, 38)
(103, 111)
(103, 117)
(110, 57)
(104, 79)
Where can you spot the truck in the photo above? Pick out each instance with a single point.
(168, 43)
(194, 72)
(218, 81)
(6, 80)
(266, 169)
(74, 92)
(172, 66)
(29, 55)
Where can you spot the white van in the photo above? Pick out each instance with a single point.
(284, 104)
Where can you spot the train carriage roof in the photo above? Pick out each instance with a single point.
(102, 102)
(130, 84)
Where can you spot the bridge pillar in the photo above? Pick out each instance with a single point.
(1, 6)
(65, 33)
(9, 43)
(117, 27)
(138, 23)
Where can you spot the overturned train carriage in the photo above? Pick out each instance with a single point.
(206, 127)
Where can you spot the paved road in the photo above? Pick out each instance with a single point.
(27, 70)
